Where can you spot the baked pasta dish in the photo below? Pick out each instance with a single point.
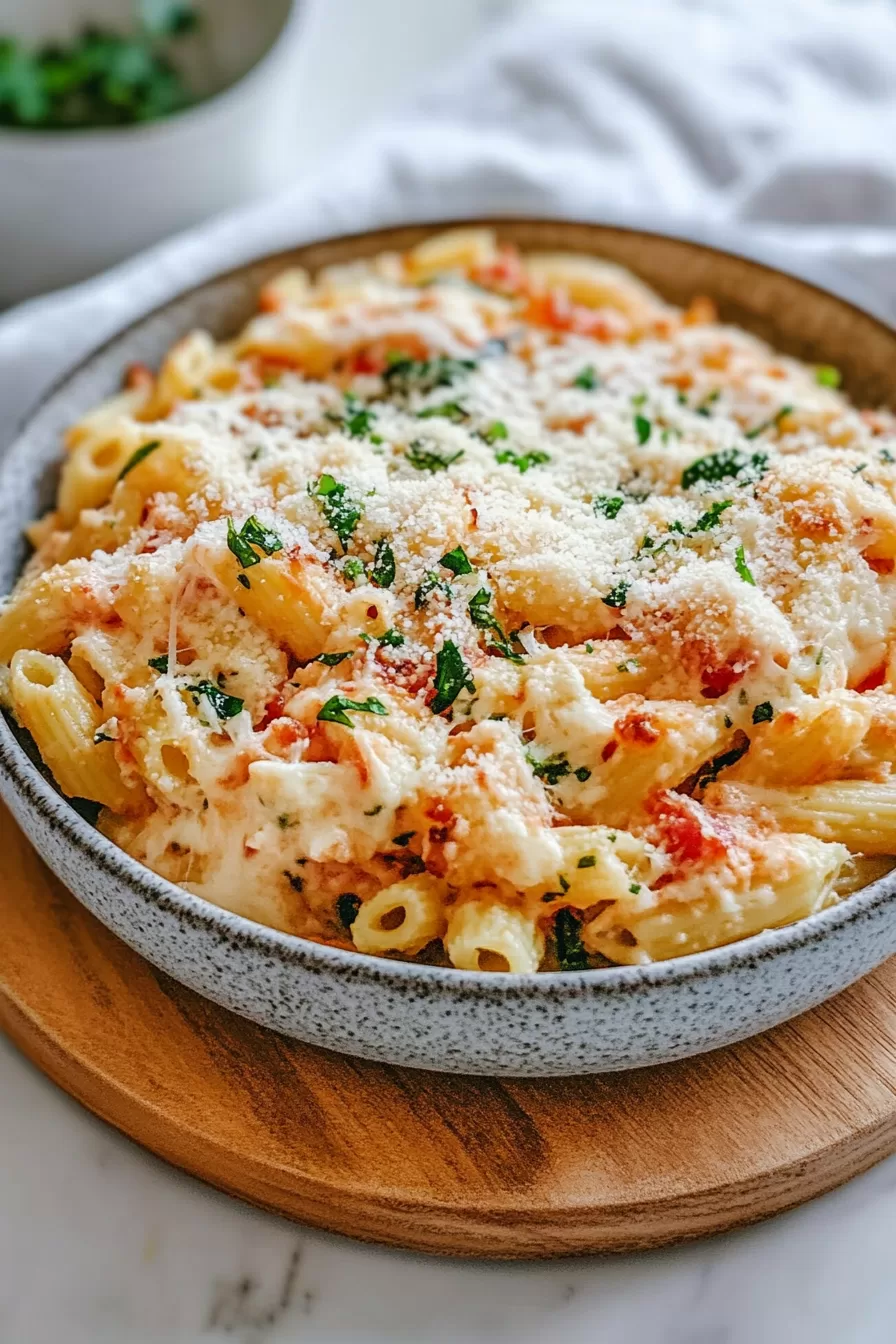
(479, 608)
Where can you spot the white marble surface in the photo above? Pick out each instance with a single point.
(102, 1244)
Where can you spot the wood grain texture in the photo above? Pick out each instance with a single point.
(464, 1166)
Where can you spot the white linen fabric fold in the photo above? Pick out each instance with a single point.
(777, 116)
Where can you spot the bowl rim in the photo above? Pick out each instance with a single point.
(295, 951)
(84, 138)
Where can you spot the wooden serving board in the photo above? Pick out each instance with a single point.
(456, 1165)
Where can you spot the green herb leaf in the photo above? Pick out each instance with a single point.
(571, 954)
(404, 839)
(586, 379)
(587, 861)
(608, 505)
(347, 907)
(763, 713)
(496, 430)
(341, 512)
(359, 419)
(160, 664)
(335, 710)
(393, 639)
(522, 461)
(404, 375)
(720, 466)
(432, 583)
(483, 619)
(826, 375)
(429, 459)
(138, 456)
(583, 774)
(447, 410)
(225, 706)
(617, 596)
(712, 515)
(743, 569)
(332, 659)
(552, 769)
(643, 429)
(239, 546)
(452, 675)
(457, 561)
(711, 771)
(382, 571)
(258, 535)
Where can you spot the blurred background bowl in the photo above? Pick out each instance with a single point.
(75, 201)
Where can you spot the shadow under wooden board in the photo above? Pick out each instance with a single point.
(433, 1162)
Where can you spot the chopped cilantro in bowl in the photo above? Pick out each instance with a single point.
(101, 77)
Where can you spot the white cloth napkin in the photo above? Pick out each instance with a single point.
(778, 116)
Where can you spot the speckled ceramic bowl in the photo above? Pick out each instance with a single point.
(424, 1016)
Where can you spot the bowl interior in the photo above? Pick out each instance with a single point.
(789, 312)
(232, 38)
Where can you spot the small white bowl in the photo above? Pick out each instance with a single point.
(77, 201)
(429, 1016)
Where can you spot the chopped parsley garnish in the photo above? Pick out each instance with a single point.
(241, 579)
(587, 861)
(886, 455)
(382, 571)
(428, 459)
(635, 888)
(160, 664)
(252, 533)
(608, 505)
(457, 561)
(628, 665)
(617, 596)
(403, 374)
(583, 774)
(571, 955)
(712, 515)
(225, 706)
(359, 419)
(743, 569)
(770, 423)
(711, 771)
(763, 713)
(448, 410)
(332, 659)
(550, 770)
(99, 737)
(643, 429)
(404, 839)
(587, 379)
(431, 584)
(353, 568)
(347, 907)
(334, 711)
(393, 639)
(137, 457)
(720, 466)
(342, 514)
(496, 430)
(826, 375)
(452, 675)
(522, 461)
(99, 78)
(483, 619)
